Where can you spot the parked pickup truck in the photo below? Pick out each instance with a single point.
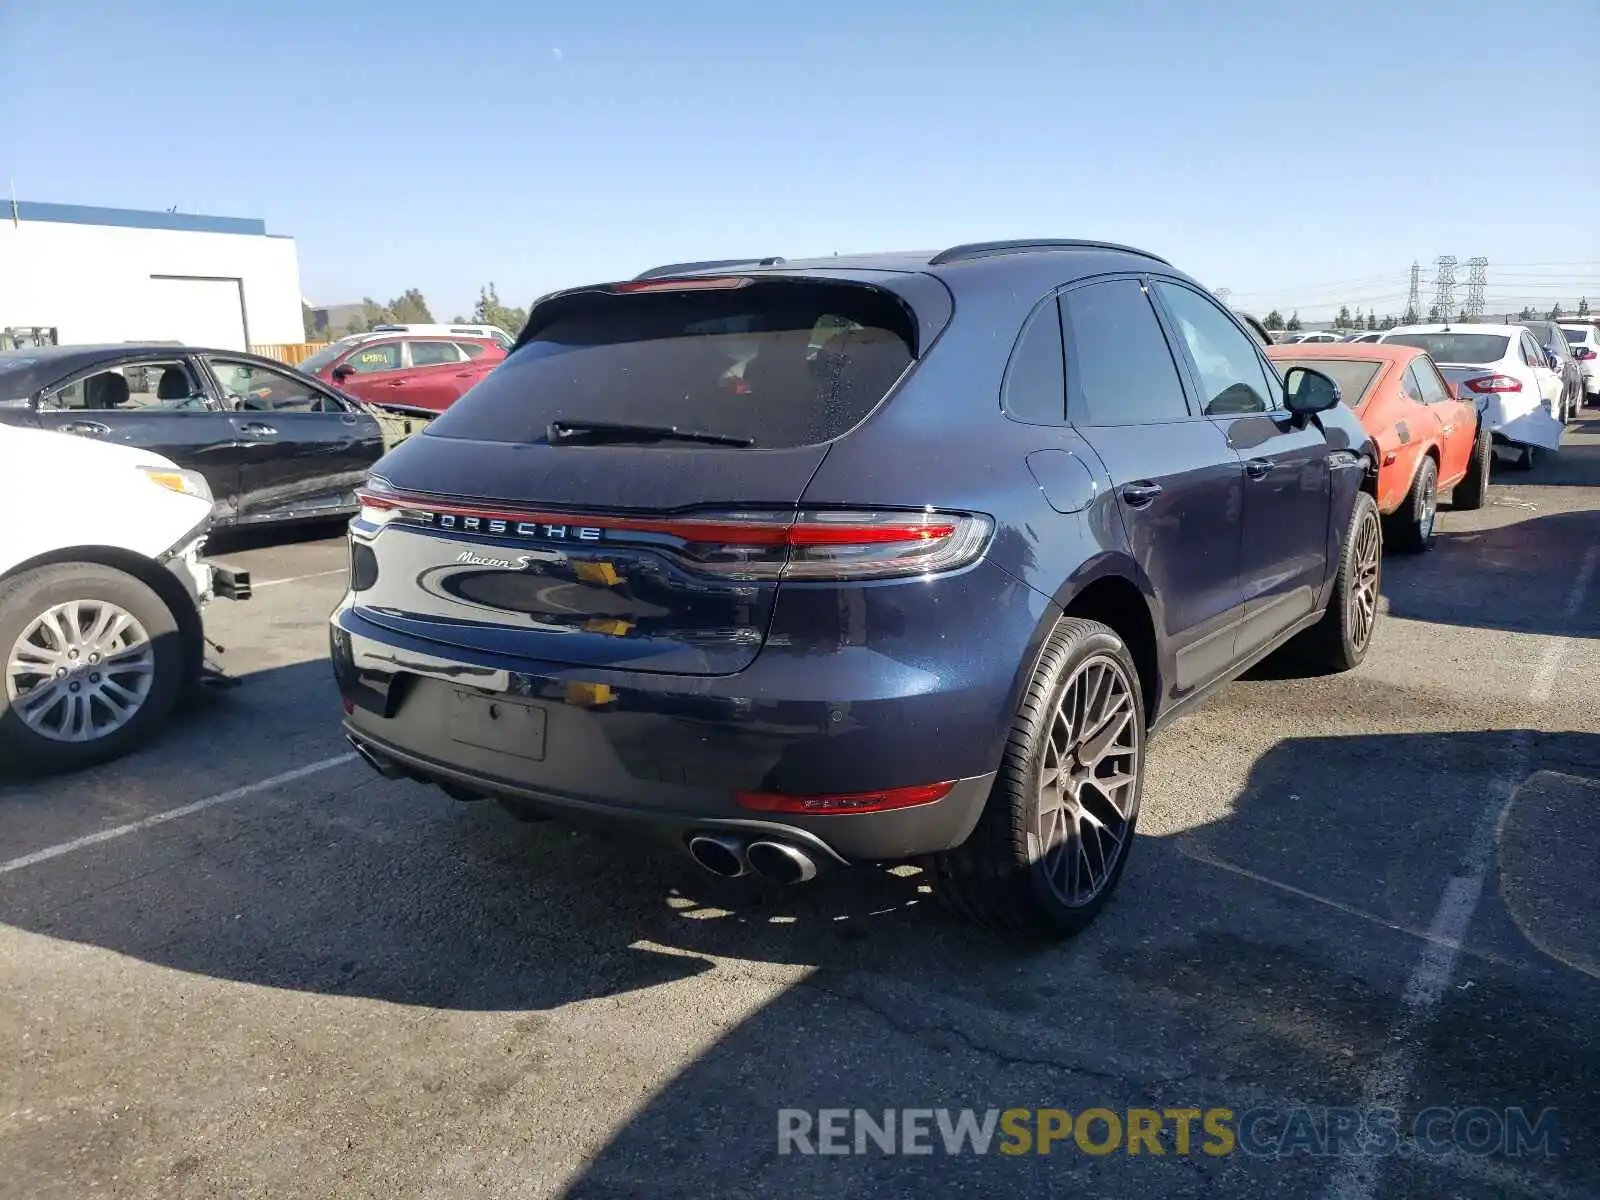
(102, 586)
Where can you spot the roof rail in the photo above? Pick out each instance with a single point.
(713, 264)
(972, 250)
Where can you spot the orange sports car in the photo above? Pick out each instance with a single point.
(1429, 441)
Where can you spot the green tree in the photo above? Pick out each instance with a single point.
(489, 311)
(1555, 312)
(1274, 320)
(1583, 306)
(1342, 321)
(1294, 322)
(1433, 314)
(1526, 314)
(1461, 317)
(410, 309)
(308, 323)
(1389, 322)
(1372, 320)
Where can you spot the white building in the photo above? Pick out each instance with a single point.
(122, 275)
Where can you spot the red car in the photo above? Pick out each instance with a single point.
(419, 371)
(1429, 440)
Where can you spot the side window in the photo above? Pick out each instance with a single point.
(1232, 378)
(168, 386)
(433, 354)
(1429, 381)
(1413, 388)
(1035, 389)
(255, 388)
(1119, 367)
(379, 356)
(471, 349)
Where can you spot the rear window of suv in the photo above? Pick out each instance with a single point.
(778, 362)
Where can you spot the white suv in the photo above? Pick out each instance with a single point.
(1585, 342)
(102, 584)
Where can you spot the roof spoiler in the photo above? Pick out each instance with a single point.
(714, 264)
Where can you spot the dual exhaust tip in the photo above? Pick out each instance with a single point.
(730, 857)
(719, 853)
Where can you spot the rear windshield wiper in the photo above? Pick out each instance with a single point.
(621, 431)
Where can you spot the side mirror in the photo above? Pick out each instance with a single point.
(1307, 391)
(342, 372)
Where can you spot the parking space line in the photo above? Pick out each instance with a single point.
(172, 814)
(1544, 678)
(1386, 1083)
(299, 578)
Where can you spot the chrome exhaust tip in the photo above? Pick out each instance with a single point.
(780, 863)
(388, 768)
(718, 853)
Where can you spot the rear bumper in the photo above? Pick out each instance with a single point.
(667, 753)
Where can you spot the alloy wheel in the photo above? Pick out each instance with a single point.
(1364, 582)
(1430, 508)
(80, 671)
(1088, 781)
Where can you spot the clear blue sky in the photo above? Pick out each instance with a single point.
(1294, 153)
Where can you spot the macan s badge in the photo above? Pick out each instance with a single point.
(518, 563)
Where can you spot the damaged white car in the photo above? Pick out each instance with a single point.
(1504, 371)
(102, 583)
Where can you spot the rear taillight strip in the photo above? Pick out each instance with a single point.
(804, 544)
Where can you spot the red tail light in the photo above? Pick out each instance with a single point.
(745, 545)
(1494, 383)
(845, 802)
(692, 284)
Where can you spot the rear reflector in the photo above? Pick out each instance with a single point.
(1494, 383)
(845, 802)
(748, 545)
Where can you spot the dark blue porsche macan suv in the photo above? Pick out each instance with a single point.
(863, 559)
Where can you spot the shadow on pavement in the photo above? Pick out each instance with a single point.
(1198, 987)
(1514, 577)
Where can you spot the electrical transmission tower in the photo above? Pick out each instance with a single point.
(1414, 297)
(1444, 285)
(1477, 282)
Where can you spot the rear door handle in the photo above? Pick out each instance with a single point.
(258, 427)
(1138, 495)
(1258, 468)
(93, 427)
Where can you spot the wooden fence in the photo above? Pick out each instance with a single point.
(293, 353)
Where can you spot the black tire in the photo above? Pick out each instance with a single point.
(1473, 490)
(999, 875)
(27, 597)
(1411, 527)
(1337, 643)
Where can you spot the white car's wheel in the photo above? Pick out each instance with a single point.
(93, 665)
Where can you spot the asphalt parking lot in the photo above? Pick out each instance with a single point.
(282, 975)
